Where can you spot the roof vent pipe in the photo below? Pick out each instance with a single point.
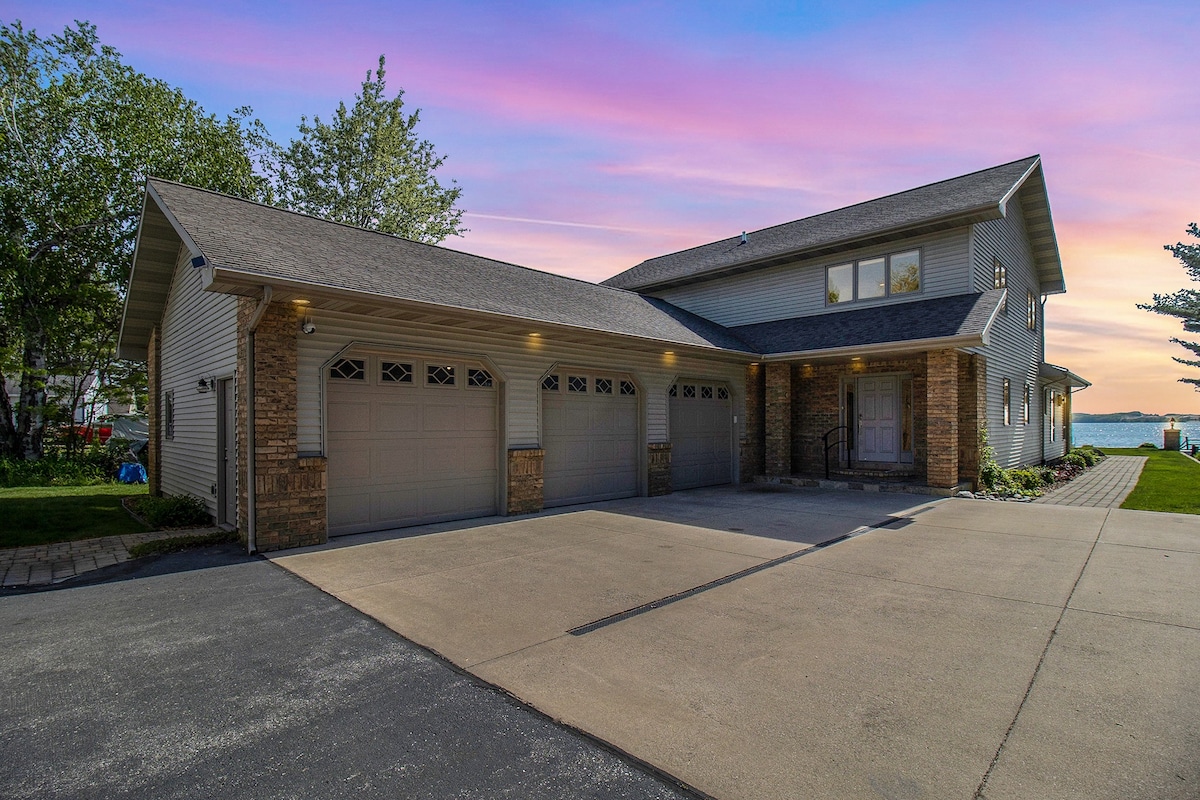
(251, 513)
(744, 239)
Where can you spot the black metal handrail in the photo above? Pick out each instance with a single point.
(835, 443)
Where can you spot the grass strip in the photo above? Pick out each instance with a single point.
(1170, 481)
(34, 515)
(178, 543)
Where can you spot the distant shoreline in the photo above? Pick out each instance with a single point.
(1134, 416)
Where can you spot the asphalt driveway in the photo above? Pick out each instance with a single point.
(951, 649)
(212, 674)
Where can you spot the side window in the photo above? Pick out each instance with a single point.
(1006, 398)
(169, 413)
(1031, 321)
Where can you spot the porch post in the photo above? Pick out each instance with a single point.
(778, 414)
(942, 424)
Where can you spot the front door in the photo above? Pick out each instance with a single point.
(878, 415)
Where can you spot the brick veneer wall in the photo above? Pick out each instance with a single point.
(290, 492)
(972, 413)
(777, 413)
(658, 468)
(526, 486)
(753, 444)
(154, 415)
(817, 408)
(942, 392)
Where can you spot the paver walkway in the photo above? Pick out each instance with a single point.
(1105, 485)
(51, 563)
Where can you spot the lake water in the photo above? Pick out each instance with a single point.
(1127, 434)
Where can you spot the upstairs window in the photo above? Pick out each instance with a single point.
(1006, 398)
(1031, 319)
(1026, 402)
(1000, 280)
(873, 278)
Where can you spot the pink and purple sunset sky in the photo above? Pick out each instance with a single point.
(588, 137)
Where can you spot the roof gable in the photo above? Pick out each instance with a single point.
(254, 244)
(947, 204)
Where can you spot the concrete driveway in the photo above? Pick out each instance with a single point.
(951, 649)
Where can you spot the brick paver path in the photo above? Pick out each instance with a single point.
(51, 563)
(1105, 485)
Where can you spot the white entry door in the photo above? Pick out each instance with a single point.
(878, 419)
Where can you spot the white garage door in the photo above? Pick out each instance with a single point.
(590, 435)
(701, 435)
(410, 441)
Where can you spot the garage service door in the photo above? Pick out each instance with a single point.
(590, 434)
(701, 435)
(410, 441)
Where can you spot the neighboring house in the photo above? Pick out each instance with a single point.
(397, 383)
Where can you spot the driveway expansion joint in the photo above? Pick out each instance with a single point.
(661, 602)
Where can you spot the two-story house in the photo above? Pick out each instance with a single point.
(310, 379)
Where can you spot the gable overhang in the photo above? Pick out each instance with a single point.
(155, 256)
(1030, 197)
(959, 219)
(228, 280)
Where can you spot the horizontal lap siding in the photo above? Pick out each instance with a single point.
(199, 340)
(796, 290)
(522, 361)
(1014, 351)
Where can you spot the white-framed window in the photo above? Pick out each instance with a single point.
(1031, 318)
(1006, 397)
(1000, 281)
(1026, 402)
(873, 278)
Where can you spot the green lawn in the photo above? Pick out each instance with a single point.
(32, 515)
(1170, 481)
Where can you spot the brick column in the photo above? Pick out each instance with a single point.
(658, 468)
(753, 430)
(525, 480)
(942, 411)
(289, 491)
(778, 419)
(154, 415)
(972, 413)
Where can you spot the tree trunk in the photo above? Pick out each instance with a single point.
(31, 405)
(10, 444)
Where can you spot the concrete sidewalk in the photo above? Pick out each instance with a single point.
(1105, 485)
(956, 649)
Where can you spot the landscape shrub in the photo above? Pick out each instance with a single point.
(51, 471)
(1074, 459)
(1149, 445)
(173, 511)
(1031, 480)
(1089, 456)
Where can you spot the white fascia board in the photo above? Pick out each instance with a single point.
(884, 348)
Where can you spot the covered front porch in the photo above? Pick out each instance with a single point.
(884, 420)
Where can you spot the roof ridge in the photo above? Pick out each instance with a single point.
(1035, 156)
(348, 226)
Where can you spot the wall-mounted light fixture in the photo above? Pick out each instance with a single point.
(206, 385)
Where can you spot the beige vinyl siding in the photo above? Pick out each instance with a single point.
(199, 339)
(520, 361)
(798, 289)
(1014, 351)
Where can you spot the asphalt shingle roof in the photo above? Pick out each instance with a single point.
(261, 240)
(935, 318)
(974, 193)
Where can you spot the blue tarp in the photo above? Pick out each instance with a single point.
(132, 473)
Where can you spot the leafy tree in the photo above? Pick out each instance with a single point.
(81, 132)
(367, 168)
(1184, 304)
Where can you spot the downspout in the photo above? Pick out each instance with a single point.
(251, 512)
